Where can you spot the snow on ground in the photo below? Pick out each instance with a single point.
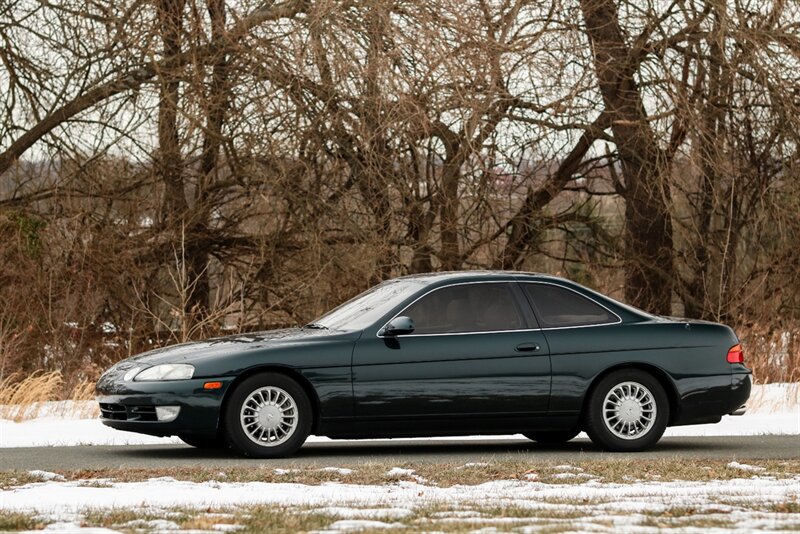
(747, 467)
(394, 501)
(773, 409)
(54, 431)
(65, 497)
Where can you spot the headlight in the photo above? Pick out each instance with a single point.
(131, 373)
(166, 371)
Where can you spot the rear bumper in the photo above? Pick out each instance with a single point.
(130, 406)
(719, 395)
(741, 385)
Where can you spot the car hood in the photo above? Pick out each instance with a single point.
(195, 351)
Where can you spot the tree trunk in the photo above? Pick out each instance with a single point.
(649, 270)
(217, 103)
(450, 255)
(378, 156)
(710, 140)
(169, 157)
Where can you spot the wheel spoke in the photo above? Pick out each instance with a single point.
(629, 410)
(269, 416)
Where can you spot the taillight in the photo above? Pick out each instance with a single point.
(735, 354)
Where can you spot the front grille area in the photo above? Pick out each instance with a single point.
(113, 411)
(142, 413)
(121, 412)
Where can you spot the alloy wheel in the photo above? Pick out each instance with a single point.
(269, 416)
(629, 410)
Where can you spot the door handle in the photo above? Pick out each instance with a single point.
(528, 347)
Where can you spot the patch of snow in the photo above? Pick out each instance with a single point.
(474, 464)
(746, 467)
(493, 520)
(567, 467)
(362, 524)
(52, 431)
(399, 472)
(46, 475)
(396, 472)
(285, 471)
(108, 328)
(778, 397)
(68, 527)
(750, 424)
(153, 524)
(227, 527)
(70, 497)
(565, 475)
(339, 470)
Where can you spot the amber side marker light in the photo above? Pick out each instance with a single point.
(212, 385)
(735, 354)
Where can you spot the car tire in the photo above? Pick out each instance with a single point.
(204, 442)
(616, 417)
(267, 416)
(551, 437)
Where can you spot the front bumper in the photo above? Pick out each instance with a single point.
(131, 405)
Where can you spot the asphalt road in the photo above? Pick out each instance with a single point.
(349, 453)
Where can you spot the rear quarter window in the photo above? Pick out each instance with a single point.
(560, 307)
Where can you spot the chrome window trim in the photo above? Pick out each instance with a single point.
(398, 314)
(618, 321)
(462, 333)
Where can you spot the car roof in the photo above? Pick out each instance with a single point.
(475, 275)
(442, 278)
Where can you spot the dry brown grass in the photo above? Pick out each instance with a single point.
(774, 356)
(23, 398)
(20, 397)
(82, 391)
(552, 514)
(611, 470)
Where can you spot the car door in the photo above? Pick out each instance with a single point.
(474, 351)
(583, 336)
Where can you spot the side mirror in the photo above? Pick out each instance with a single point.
(399, 326)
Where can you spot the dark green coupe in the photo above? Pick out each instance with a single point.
(439, 354)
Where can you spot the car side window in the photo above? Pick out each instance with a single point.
(483, 307)
(560, 307)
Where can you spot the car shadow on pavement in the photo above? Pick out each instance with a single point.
(427, 449)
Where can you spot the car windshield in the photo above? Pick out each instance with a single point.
(363, 310)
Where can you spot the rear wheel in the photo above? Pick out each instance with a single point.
(551, 437)
(268, 416)
(204, 442)
(628, 411)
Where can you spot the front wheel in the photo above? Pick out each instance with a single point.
(268, 416)
(551, 437)
(628, 411)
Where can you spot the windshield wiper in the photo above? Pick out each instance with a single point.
(315, 326)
